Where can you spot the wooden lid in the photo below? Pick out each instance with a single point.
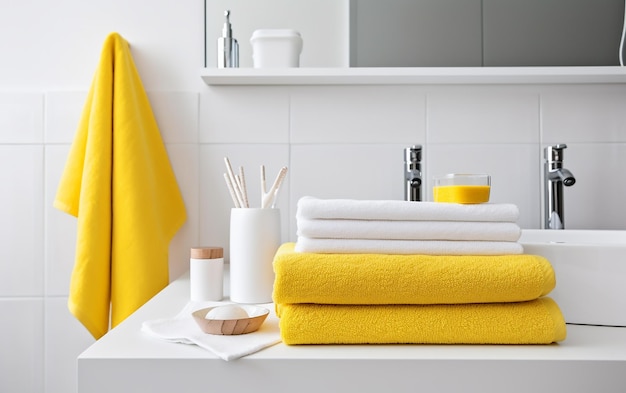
(207, 252)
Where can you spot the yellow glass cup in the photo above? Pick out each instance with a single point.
(462, 188)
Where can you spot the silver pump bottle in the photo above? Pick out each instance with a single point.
(227, 46)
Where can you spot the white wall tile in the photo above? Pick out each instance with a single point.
(185, 162)
(61, 353)
(21, 227)
(345, 171)
(215, 200)
(514, 169)
(596, 200)
(22, 343)
(60, 230)
(483, 114)
(584, 113)
(63, 111)
(176, 113)
(357, 114)
(244, 114)
(21, 118)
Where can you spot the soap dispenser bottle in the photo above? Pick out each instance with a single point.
(227, 46)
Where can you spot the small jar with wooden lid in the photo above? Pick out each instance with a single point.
(206, 273)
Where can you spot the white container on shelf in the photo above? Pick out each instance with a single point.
(276, 48)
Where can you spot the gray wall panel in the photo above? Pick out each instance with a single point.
(409, 33)
(552, 32)
(436, 33)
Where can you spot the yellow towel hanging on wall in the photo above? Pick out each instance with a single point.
(119, 184)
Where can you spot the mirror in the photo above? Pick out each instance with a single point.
(471, 33)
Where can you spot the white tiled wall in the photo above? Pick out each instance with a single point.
(21, 118)
(21, 227)
(594, 114)
(338, 142)
(22, 341)
(357, 114)
(242, 114)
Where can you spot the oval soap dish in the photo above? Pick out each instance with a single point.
(256, 317)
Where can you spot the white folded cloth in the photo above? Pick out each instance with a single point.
(425, 247)
(309, 207)
(184, 329)
(408, 230)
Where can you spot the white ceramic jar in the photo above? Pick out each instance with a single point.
(206, 273)
(276, 48)
(254, 240)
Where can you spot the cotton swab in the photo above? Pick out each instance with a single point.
(263, 185)
(233, 181)
(268, 199)
(242, 187)
(231, 190)
(239, 191)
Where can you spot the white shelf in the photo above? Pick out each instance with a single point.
(591, 358)
(415, 76)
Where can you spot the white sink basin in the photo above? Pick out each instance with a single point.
(590, 267)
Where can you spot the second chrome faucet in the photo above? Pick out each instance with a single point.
(555, 177)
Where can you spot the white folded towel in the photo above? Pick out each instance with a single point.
(184, 329)
(425, 247)
(408, 230)
(309, 207)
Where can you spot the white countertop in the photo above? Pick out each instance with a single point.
(592, 358)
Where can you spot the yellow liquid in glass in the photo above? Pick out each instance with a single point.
(461, 194)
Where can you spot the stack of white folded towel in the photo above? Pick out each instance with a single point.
(401, 227)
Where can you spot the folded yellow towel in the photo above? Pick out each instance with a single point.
(408, 279)
(119, 184)
(534, 322)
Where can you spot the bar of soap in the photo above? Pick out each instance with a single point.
(230, 311)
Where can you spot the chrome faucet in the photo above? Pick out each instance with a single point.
(413, 173)
(555, 177)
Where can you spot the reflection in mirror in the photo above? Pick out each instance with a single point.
(470, 33)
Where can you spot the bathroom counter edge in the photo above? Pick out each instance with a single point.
(125, 359)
